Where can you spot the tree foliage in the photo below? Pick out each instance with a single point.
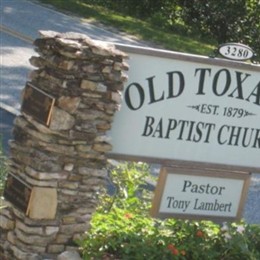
(225, 21)
(221, 20)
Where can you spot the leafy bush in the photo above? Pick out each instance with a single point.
(225, 21)
(251, 28)
(221, 19)
(121, 228)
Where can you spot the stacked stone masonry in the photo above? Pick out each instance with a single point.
(86, 78)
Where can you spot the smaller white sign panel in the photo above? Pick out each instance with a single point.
(193, 194)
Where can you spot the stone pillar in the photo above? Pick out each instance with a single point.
(62, 161)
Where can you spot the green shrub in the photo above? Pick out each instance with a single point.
(251, 27)
(121, 228)
(225, 21)
(220, 19)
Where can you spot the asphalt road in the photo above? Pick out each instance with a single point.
(6, 125)
(20, 21)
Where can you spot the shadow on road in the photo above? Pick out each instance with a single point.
(6, 125)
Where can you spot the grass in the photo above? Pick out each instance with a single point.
(3, 167)
(176, 40)
(3, 173)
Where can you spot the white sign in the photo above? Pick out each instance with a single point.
(189, 108)
(186, 194)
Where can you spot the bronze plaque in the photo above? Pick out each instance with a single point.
(37, 104)
(18, 193)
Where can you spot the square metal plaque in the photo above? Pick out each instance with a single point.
(37, 104)
(18, 193)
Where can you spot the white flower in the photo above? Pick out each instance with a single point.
(227, 236)
(224, 227)
(240, 229)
